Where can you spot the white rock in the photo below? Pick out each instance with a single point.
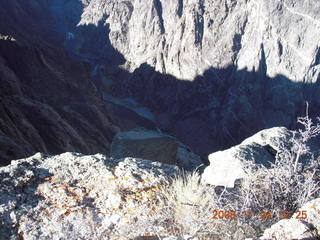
(226, 166)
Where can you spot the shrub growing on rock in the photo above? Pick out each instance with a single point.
(289, 183)
(258, 201)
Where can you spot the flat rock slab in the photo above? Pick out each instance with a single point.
(154, 146)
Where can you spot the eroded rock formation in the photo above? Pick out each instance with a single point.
(48, 104)
(249, 65)
(210, 73)
(186, 37)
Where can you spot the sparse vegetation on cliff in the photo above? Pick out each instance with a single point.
(264, 197)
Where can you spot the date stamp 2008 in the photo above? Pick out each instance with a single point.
(262, 215)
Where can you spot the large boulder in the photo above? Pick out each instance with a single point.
(73, 196)
(227, 166)
(154, 146)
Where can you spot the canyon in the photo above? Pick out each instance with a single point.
(115, 108)
(208, 73)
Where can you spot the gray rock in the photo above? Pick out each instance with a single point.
(308, 228)
(73, 196)
(251, 59)
(154, 146)
(214, 34)
(245, 62)
(271, 138)
(227, 166)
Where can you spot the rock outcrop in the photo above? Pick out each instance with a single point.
(73, 196)
(185, 38)
(246, 63)
(227, 166)
(154, 146)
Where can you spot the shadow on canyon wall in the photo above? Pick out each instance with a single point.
(214, 111)
(48, 104)
(220, 108)
(92, 44)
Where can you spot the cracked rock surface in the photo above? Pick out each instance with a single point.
(73, 196)
(186, 37)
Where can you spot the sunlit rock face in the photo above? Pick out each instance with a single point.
(249, 65)
(186, 37)
(211, 73)
(228, 166)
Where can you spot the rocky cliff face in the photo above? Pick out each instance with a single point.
(249, 65)
(48, 104)
(184, 38)
(207, 72)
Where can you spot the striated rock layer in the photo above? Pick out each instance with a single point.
(186, 37)
(48, 104)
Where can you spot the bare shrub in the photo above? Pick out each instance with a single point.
(185, 206)
(190, 203)
(190, 209)
(285, 186)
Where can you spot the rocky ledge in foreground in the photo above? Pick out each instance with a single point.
(72, 196)
(75, 196)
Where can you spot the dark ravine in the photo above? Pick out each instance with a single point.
(116, 97)
(48, 104)
(216, 75)
(208, 73)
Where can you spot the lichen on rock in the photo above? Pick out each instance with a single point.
(72, 196)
